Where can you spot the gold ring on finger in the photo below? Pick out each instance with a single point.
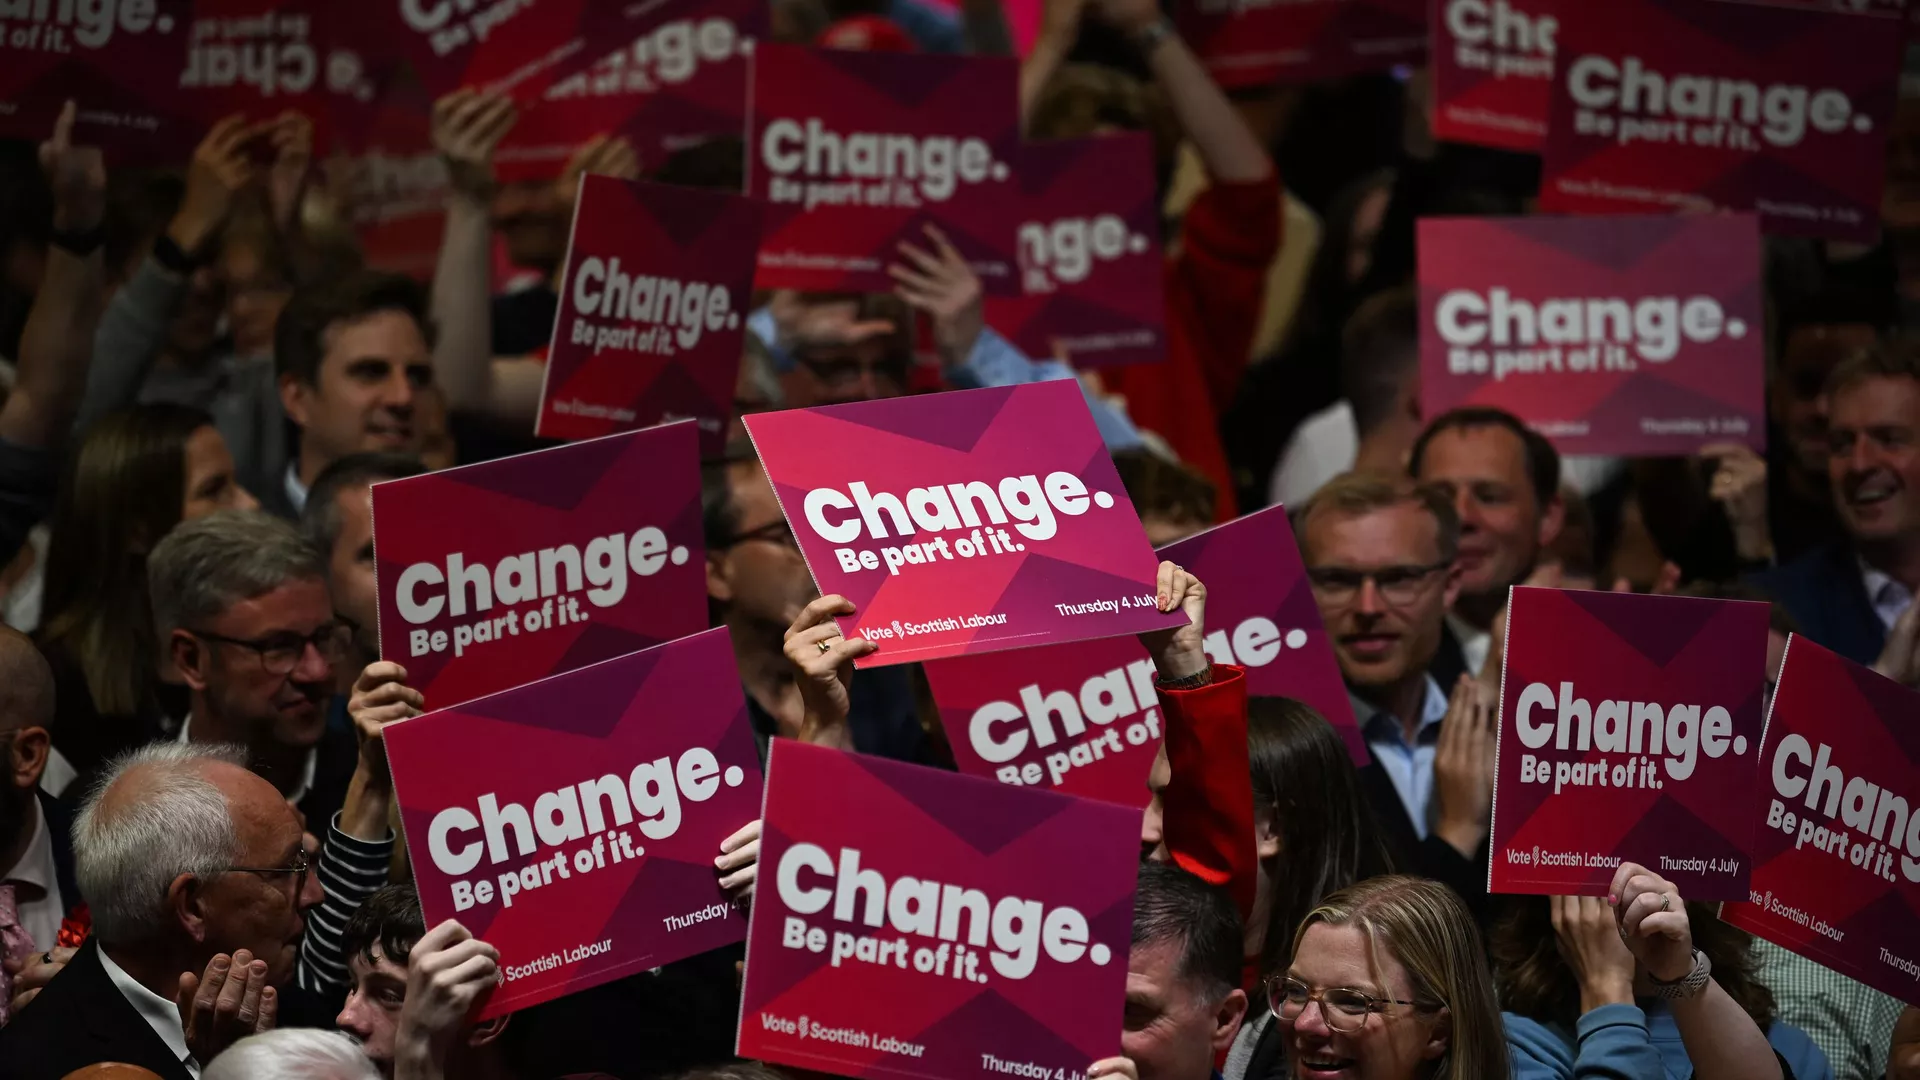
(825, 647)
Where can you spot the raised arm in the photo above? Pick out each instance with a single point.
(1059, 27)
(467, 126)
(57, 343)
(1227, 146)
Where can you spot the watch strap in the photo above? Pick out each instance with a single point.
(1203, 677)
(78, 242)
(1686, 986)
(174, 258)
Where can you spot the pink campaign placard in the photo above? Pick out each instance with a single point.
(1090, 258)
(854, 152)
(1084, 719)
(1636, 336)
(1836, 849)
(497, 574)
(964, 522)
(515, 47)
(572, 823)
(117, 61)
(679, 83)
(258, 58)
(1629, 730)
(916, 923)
(651, 311)
(1254, 42)
(392, 184)
(1698, 105)
(1492, 71)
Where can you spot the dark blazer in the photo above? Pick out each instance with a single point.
(60, 828)
(82, 1019)
(1823, 592)
(335, 758)
(1429, 858)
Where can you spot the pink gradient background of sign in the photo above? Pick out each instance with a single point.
(1837, 176)
(958, 830)
(1669, 650)
(346, 77)
(125, 88)
(1083, 179)
(1253, 569)
(542, 41)
(1541, 258)
(602, 720)
(895, 93)
(897, 444)
(1868, 721)
(630, 93)
(1484, 106)
(566, 495)
(674, 232)
(1305, 40)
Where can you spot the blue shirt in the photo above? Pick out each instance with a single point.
(1640, 1041)
(1408, 765)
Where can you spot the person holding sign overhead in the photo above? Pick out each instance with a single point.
(1626, 987)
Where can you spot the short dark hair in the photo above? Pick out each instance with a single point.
(1890, 360)
(300, 335)
(719, 516)
(320, 518)
(391, 919)
(1379, 350)
(1543, 461)
(1163, 488)
(1171, 905)
(1356, 493)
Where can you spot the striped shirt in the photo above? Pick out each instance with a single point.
(350, 871)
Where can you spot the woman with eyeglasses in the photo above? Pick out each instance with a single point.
(135, 476)
(1639, 984)
(1314, 833)
(1388, 981)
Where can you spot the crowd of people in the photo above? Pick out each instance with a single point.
(200, 877)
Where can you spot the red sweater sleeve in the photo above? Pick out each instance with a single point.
(1229, 238)
(1208, 803)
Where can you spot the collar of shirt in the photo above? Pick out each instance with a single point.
(296, 491)
(1379, 725)
(161, 1015)
(1475, 644)
(1888, 597)
(42, 911)
(307, 770)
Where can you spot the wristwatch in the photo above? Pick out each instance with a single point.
(1689, 985)
(1146, 40)
(1203, 677)
(78, 242)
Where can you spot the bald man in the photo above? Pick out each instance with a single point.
(197, 878)
(37, 889)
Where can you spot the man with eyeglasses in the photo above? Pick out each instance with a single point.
(242, 609)
(196, 873)
(1380, 553)
(757, 585)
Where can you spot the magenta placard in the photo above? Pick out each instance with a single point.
(854, 152)
(1090, 259)
(1629, 729)
(1637, 336)
(1699, 105)
(497, 574)
(260, 57)
(1492, 71)
(518, 48)
(572, 823)
(1836, 849)
(117, 62)
(681, 82)
(1084, 719)
(1254, 42)
(650, 325)
(392, 184)
(964, 522)
(916, 923)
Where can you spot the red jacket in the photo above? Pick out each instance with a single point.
(1207, 807)
(1215, 290)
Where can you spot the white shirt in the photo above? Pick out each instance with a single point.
(1888, 597)
(1321, 448)
(296, 491)
(299, 791)
(1475, 644)
(161, 1015)
(39, 917)
(1410, 767)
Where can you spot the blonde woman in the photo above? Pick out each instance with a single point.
(1389, 982)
